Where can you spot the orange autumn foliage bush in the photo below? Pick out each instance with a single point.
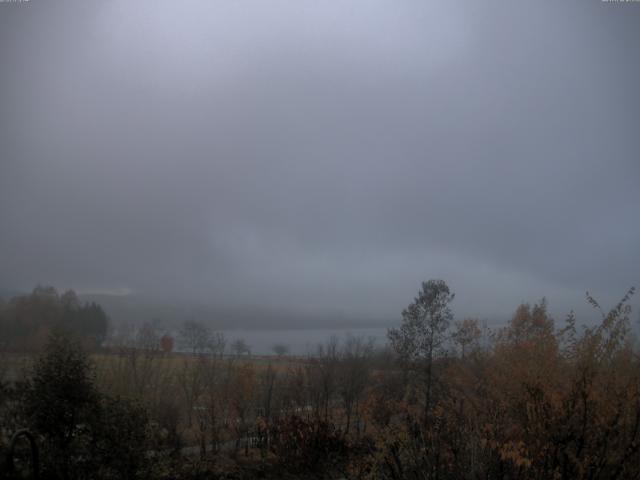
(539, 402)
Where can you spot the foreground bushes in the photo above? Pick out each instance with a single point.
(532, 401)
(303, 445)
(539, 403)
(81, 433)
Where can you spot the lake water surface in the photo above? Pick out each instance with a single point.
(299, 341)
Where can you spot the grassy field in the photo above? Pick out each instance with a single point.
(14, 366)
(159, 380)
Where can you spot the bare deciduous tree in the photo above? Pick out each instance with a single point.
(195, 337)
(467, 334)
(280, 349)
(240, 347)
(354, 376)
(422, 333)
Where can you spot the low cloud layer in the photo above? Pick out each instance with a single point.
(321, 157)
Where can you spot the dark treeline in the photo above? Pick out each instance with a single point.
(27, 321)
(447, 399)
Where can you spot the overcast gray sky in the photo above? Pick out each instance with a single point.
(322, 156)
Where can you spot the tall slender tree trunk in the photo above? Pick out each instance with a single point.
(427, 400)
